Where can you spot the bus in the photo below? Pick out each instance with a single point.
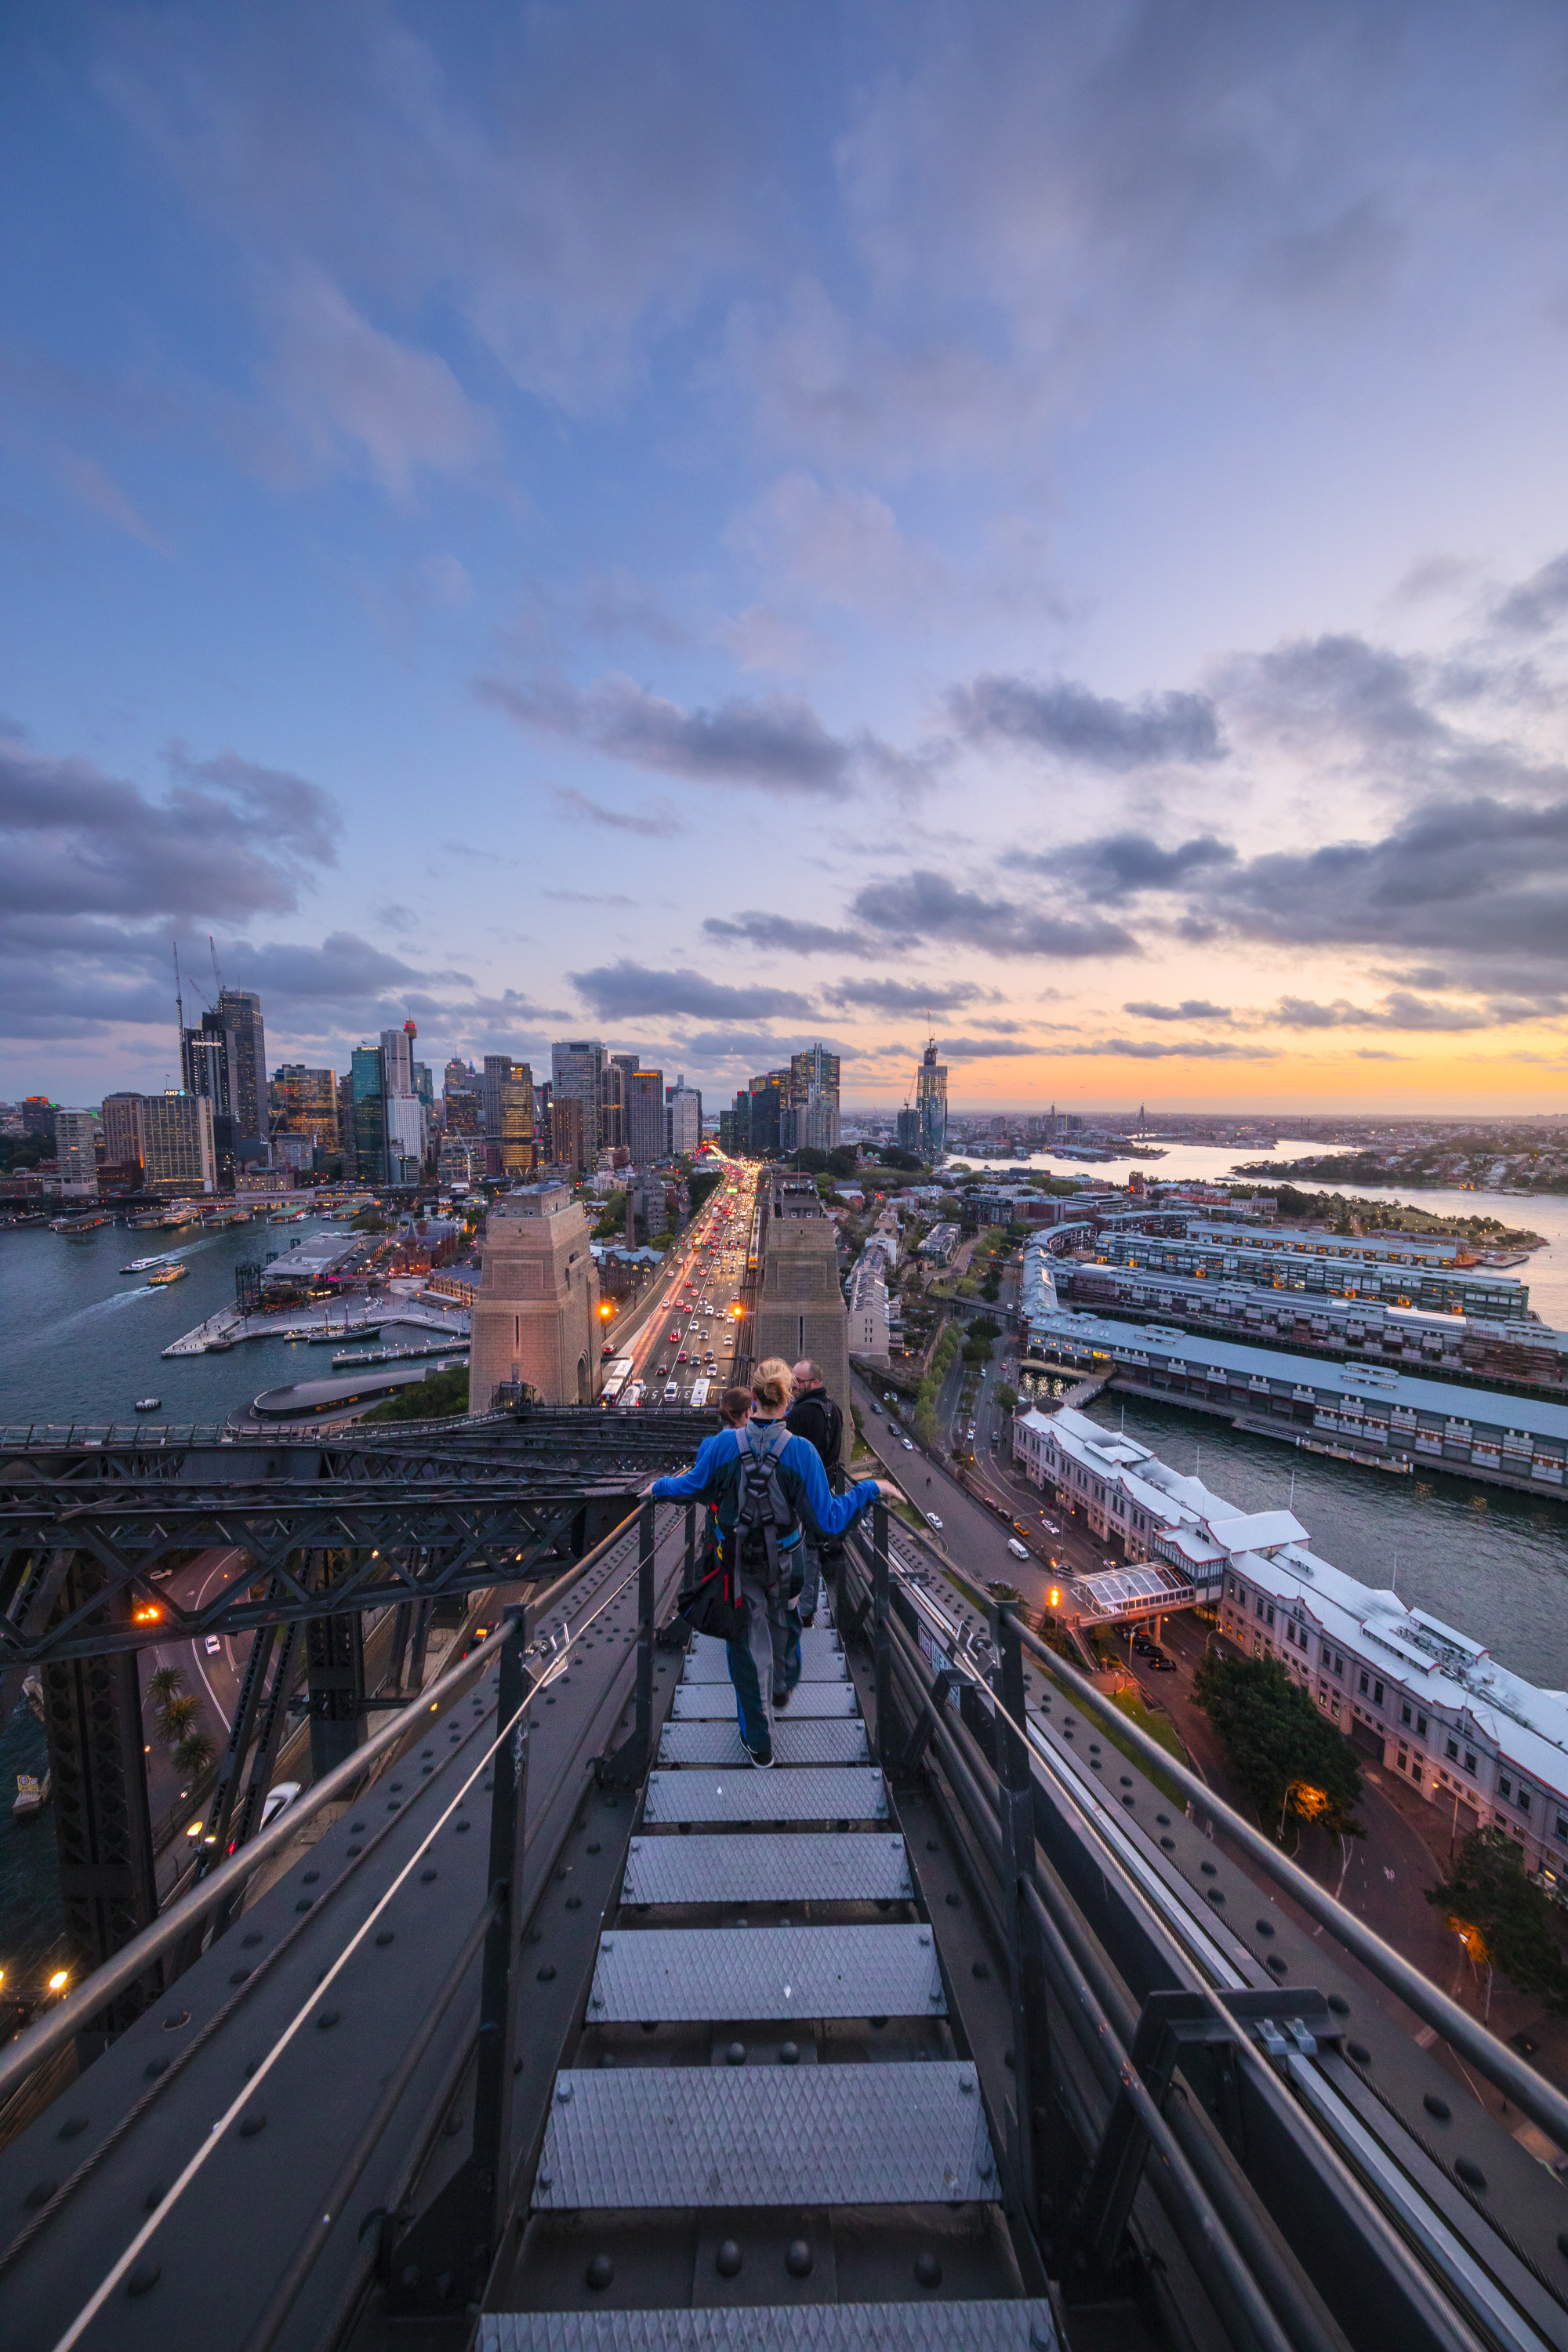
(699, 1393)
(616, 1375)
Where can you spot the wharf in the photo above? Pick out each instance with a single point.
(228, 1327)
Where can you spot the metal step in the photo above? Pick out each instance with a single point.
(821, 1658)
(658, 2137)
(708, 1702)
(844, 1792)
(807, 1867)
(723, 1974)
(794, 1742)
(931, 2325)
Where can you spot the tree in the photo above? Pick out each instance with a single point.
(612, 1222)
(1504, 1917)
(985, 1327)
(178, 1717)
(163, 1684)
(699, 1187)
(1281, 1750)
(434, 1397)
(810, 1160)
(894, 1156)
(843, 1159)
(195, 1751)
(1006, 1396)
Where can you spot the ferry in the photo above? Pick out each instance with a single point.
(75, 1225)
(166, 1275)
(149, 1404)
(146, 1264)
(32, 1795)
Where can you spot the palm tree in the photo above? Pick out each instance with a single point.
(178, 1717)
(165, 1683)
(195, 1751)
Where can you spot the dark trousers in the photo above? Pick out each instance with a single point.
(769, 1645)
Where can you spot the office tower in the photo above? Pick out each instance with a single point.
(542, 1123)
(397, 1057)
(38, 1119)
(814, 1072)
(497, 1070)
(517, 1127)
(644, 1117)
(810, 1121)
(365, 1121)
(909, 1129)
(425, 1085)
(240, 1010)
(461, 1159)
(727, 1139)
(458, 1076)
(568, 1138)
(931, 1105)
(462, 1109)
(536, 1317)
(304, 1102)
(75, 1154)
(124, 1131)
(683, 1105)
(180, 1159)
(577, 1072)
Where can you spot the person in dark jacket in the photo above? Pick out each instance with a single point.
(814, 1416)
(772, 1638)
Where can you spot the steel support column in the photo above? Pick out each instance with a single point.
(627, 1766)
(335, 1656)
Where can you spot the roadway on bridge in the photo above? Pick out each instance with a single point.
(712, 1279)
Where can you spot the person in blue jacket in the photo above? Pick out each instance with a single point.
(771, 1636)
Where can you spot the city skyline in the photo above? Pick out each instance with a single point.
(759, 534)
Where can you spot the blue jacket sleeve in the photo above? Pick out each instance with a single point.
(692, 1484)
(833, 1513)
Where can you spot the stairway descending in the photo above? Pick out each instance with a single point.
(766, 2138)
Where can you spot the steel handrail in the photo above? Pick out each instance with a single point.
(40, 2039)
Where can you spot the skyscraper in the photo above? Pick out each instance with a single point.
(645, 1116)
(930, 1105)
(518, 1154)
(124, 1131)
(810, 1121)
(397, 1056)
(75, 1154)
(577, 1073)
(179, 1132)
(364, 1119)
(496, 1070)
(568, 1142)
(683, 1106)
(240, 1010)
(304, 1102)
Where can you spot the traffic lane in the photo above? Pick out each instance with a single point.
(973, 1538)
(214, 1678)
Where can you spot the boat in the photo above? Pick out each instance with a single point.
(78, 1225)
(149, 1404)
(344, 1332)
(349, 1361)
(32, 1795)
(145, 1264)
(166, 1275)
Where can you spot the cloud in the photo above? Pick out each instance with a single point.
(654, 824)
(926, 906)
(905, 995)
(349, 386)
(1192, 1008)
(1145, 1049)
(1401, 1010)
(784, 932)
(1095, 730)
(983, 1049)
(842, 547)
(589, 898)
(777, 741)
(1118, 865)
(229, 839)
(1538, 603)
(624, 990)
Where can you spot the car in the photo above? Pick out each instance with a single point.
(878, 1411)
(607, 1349)
(908, 1444)
(212, 1645)
(659, 1371)
(674, 1337)
(681, 1357)
(933, 1520)
(1163, 1664)
(278, 1800)
(1018, 1550)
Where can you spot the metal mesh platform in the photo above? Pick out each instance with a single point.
(928, 2326)
(794, 1742)
(709, 1701)
(844, 1792)
(821, 1658)
(658, 2137)
(809, 1867)
(647, 1974)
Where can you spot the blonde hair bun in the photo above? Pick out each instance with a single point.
(773, 1384)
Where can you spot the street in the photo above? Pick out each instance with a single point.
(691, 1312)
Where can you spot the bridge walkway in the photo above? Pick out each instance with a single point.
(767, 2132)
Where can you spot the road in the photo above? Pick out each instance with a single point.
(696, 1315)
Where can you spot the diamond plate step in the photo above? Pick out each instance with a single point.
(929, 2326)
(711, 1701)
(671, 1974)
(794, 1742)
(821, 1658)
(844, 1792)
(657, 2137)
(809, 1867)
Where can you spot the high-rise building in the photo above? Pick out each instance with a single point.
(577, 1071)
(497, 1068)
(364, 1118)
(38, 1119)
(304, 1103)
(425, 1085)
(397, 1057)
(614, 1109)
(459, 1077)
(568, 1138)
(683, 1114)
(930, 1105)
(180, 1156)
(518, 1150)
(75, 1154)
(239, 1009)
(463, 1111)
(124, 1131)
(909, 1129)
(810, 1121)
(645, 1116)
(768, 1099)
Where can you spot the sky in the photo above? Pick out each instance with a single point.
(722, 528)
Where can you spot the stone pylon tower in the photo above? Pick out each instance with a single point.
(536, 1317)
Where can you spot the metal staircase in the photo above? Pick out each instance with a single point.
(767, 2076)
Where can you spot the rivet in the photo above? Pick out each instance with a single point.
(39, 2194)
(311, 1877)
(1471, 2173)
(384, 1937)
(736, 2053)
(928, 2270)
(154, 2067)
(1437, 2107)
(600, 2271)
(727, 2261)
(789, 2055)
(327, 2020)
(254, 1937)
(144, 2278)
(251, 2125)
(425, 1877)
(546, 1975)
(798, 2259)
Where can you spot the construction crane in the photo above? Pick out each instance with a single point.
(216, 974)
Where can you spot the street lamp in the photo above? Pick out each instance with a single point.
(1310, 1803)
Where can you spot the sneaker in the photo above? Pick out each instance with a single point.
(781, 1698)
(762, 1758)
(807, 1617)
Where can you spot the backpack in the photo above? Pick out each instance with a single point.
(765, 1514)
(715, 1604)
(818, 1419)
